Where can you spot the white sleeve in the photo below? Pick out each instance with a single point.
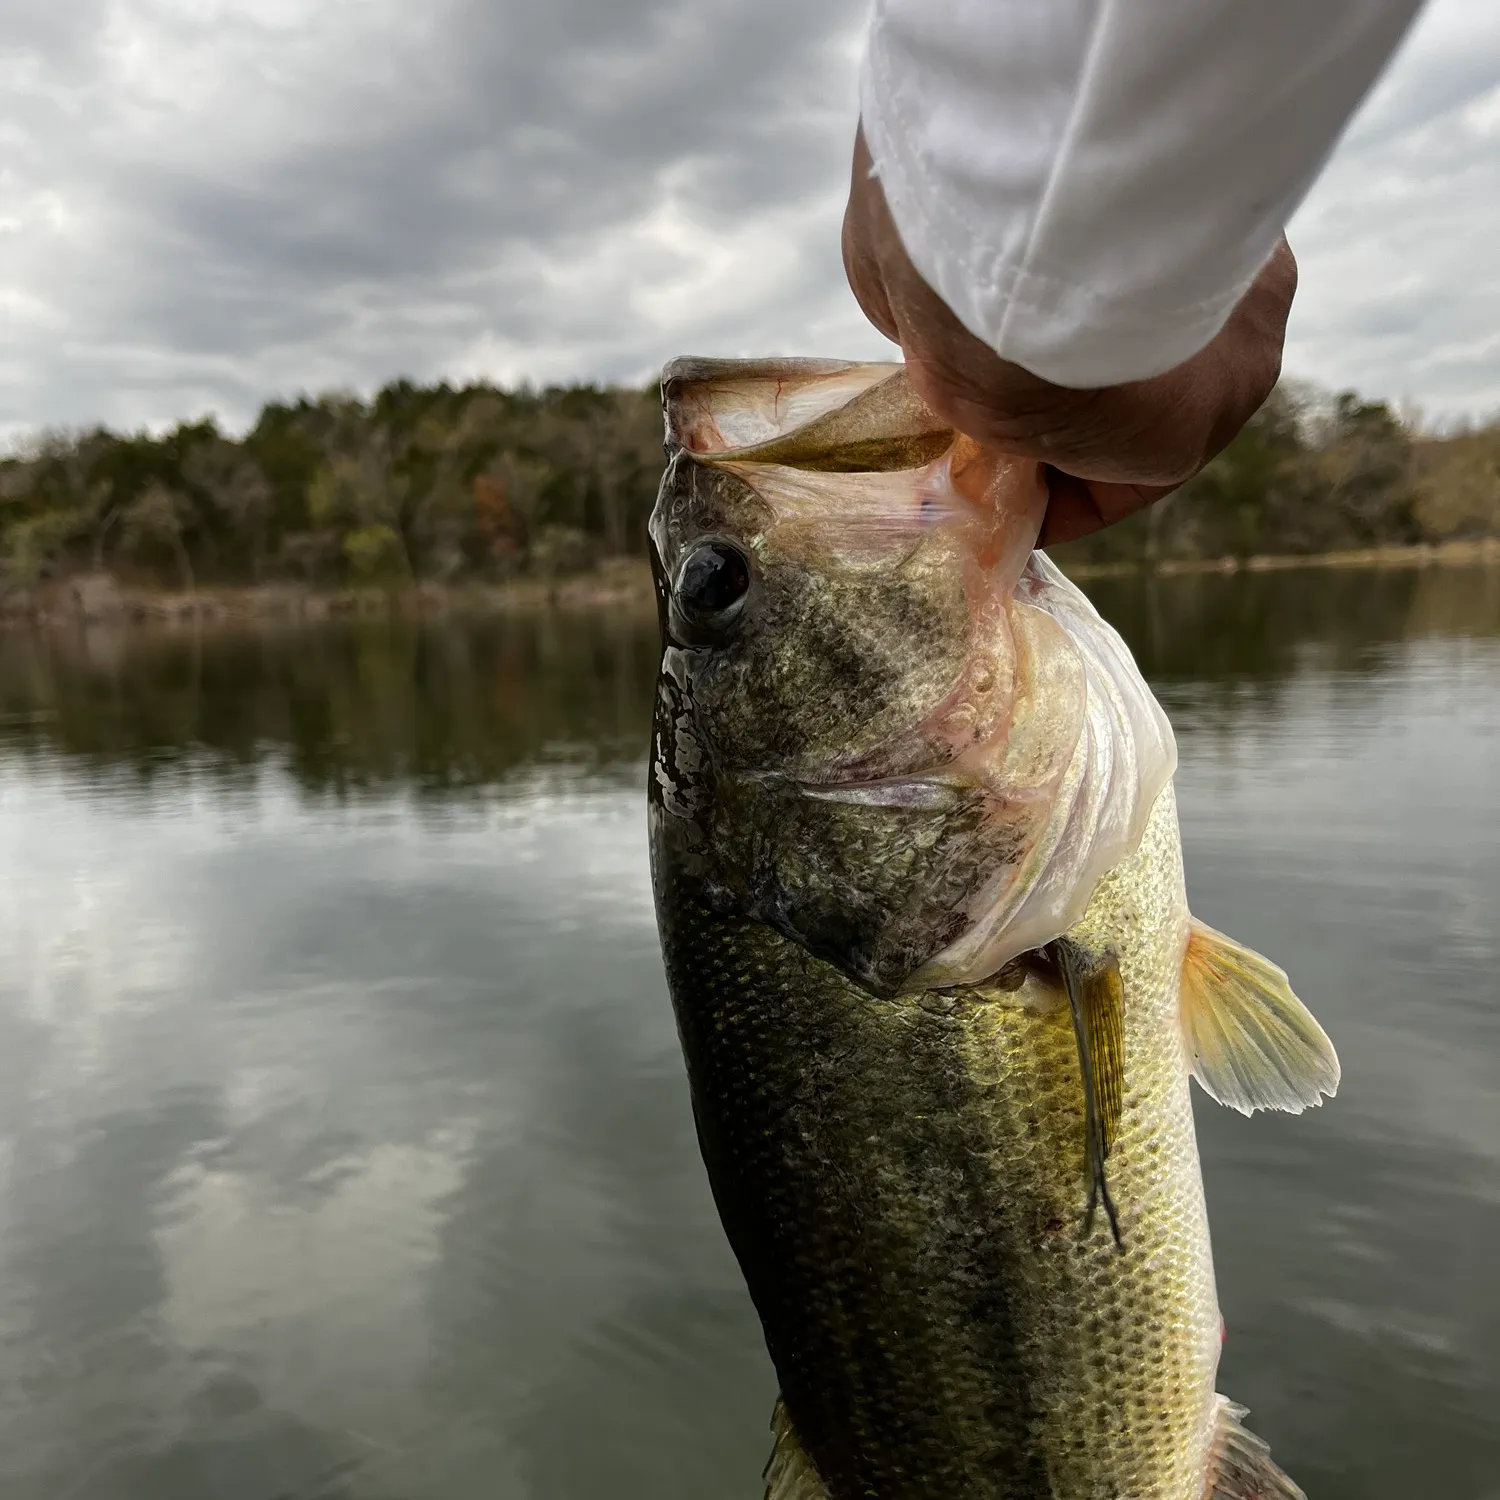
(1091, 185)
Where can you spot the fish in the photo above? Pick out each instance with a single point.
(920, 894)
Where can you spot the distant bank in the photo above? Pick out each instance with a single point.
(620, 584)
(424, 495)
(1464, 553)
(99, 600)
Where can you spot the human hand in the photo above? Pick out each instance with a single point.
(1111, 451)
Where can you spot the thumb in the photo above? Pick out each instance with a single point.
(1076, 507)
(861, 245)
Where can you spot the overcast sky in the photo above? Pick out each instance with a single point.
(204, 203)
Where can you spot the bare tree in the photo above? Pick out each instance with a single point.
(154, 517)
(235, 487)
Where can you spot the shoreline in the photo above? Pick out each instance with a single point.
(622, 584)
(1422, 555)
(94, 600)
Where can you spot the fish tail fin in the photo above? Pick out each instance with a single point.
(789, 1471)
(1252, 1044)
(1240, 1466)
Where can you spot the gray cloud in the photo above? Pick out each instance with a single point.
(1400, 290)
(209, 203)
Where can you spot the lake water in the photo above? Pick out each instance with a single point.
(344, 1142)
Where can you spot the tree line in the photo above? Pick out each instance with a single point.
(443, 483)
(1318, 472)
(417, 483)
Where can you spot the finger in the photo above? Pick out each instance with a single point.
(1076, 507)
(866, 281)
(861, 244)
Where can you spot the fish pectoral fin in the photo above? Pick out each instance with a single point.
(1251, 1043)
(1096, 995)
(789, 1471)
(1240, 1466)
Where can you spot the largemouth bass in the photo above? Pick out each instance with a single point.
(921, 902)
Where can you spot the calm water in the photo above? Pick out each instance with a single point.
(344, 1143)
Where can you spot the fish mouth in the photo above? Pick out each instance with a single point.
(911, 793)
(935, 788)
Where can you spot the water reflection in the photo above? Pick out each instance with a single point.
(1209, 627)
(348, 705)
(344, 1146)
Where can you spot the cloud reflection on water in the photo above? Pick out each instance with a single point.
(344, 1143)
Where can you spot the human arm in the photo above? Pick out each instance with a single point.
(1074, 229)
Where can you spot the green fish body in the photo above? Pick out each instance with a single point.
(920, 893)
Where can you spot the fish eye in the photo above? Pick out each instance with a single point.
(711, 586)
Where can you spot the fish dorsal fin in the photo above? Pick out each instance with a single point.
(1096, 995)
(1251, 1043)
(1240, 1466)
(789, 1472)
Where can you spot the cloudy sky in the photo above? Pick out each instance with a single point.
(207, 202)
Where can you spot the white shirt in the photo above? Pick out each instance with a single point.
(1091, 185)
